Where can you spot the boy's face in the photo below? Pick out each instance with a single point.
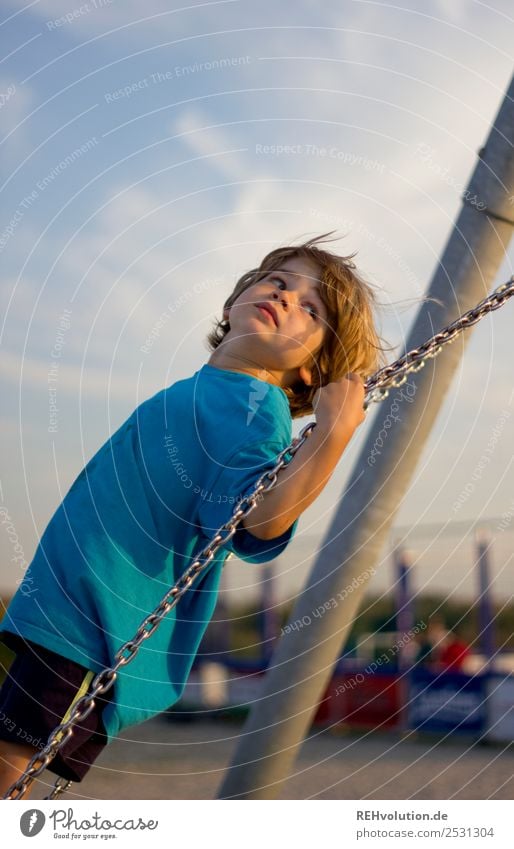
(280, 322)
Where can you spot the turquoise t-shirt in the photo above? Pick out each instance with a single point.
(144, 505)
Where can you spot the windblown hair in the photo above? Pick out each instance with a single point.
(351, 342)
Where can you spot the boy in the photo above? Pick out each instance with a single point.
(156, 492)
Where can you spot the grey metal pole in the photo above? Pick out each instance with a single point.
(486, 620)
(326, 609)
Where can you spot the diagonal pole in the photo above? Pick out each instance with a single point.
(305, 657)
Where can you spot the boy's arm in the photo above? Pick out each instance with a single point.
(339, 411)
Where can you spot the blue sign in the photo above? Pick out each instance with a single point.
(446, 701)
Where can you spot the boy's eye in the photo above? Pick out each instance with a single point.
(279, 282)
(312, 309)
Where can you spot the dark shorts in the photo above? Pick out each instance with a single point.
(37, 689)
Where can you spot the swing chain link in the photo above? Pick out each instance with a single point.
(60, 786)
(376, 389)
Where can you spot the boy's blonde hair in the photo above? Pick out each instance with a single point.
(351, 342)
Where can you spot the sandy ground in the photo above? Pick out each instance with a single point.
(171, 760)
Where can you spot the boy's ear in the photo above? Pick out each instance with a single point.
(305, 373)
(226, 315)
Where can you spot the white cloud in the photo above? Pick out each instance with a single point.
(72, 379)
(127, 18)
(214, 140)
(17, 103)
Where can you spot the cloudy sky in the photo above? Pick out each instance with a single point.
(152, 154)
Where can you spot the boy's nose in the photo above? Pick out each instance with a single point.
(283, 297)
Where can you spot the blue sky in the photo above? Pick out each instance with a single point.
(152, 154)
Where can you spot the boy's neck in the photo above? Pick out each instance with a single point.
(236, 362)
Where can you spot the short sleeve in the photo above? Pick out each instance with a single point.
(235, 480)
(248, 547)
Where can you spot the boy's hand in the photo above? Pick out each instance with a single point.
(340, 404)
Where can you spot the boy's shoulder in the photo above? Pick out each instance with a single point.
(256, 405)
(229, 390)
(226, 411)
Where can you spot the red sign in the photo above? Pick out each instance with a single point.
(362, 700)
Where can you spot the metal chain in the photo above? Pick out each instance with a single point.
(60, 786)
(395, 374)
(376, 388)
